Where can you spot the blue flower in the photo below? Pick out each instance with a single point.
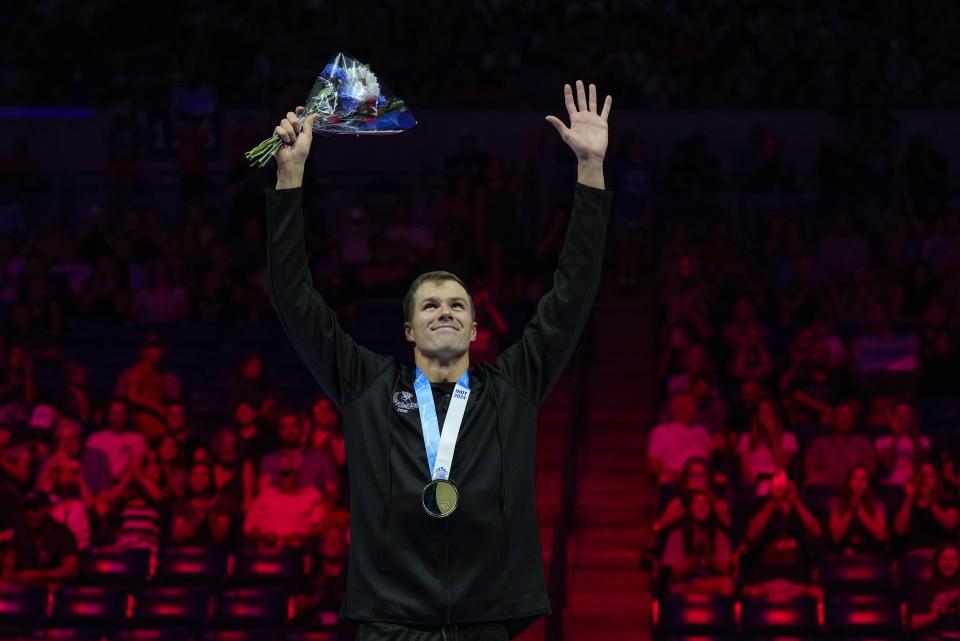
(349, 103)
(336, 74)
(381, 101)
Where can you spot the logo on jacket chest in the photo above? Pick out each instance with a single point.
(404, 402)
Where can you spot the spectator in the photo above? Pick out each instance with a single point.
(698, 552)
(740, 418)
(900, 451)
(766, 449)
(673, 443)
(327, 586)
(325, 433)
(73, 398)
(173, 466)
(14, 462)
(751, 359)
(858, 519)
(201, 517)
(233, 476)
(927, 517)
(256, 439)
(317, 468)
(813, 385)
(694, 362)
(160, 301)
(149, 388)
(247, 384)
(44, 551)
(778, 554)
(140, 516)
(287, 515)
(16, 379)
(744, 330)
(711, 410)
(935, 605)
(696, 476)
(829, 458)
(95, 471)
(123, 447)
(186, 439)
(71, 499)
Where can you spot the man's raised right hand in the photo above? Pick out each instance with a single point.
(292, 156)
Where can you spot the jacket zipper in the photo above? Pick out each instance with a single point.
(447, 573)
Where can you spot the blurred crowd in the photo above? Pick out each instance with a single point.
(134, 472)
(679, 53)
(809, 350)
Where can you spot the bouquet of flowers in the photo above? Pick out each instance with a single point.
(350, 100)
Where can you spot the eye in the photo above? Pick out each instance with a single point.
(460, 305)
(429, 305)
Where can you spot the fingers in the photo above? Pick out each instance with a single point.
(581, 97)
(289, 135)
(593, 98)
(307, 131)
(568, 99)
(606, 107)
(294, 121)
(556, 122)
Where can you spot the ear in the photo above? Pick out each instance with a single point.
(473, 331)
(408, 333)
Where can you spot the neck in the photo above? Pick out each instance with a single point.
(442, 370)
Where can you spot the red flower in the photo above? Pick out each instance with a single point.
(334, 119)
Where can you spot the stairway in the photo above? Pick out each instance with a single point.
(608, 595)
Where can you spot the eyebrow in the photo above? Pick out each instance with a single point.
(434, 299)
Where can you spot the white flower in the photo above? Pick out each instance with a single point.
(362, 83)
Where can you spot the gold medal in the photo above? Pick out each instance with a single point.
(440, 498)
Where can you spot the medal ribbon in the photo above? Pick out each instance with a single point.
(439, 447)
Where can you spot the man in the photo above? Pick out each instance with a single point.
(44, 551)
(182, 433)
(829, 458)
(149, 387)
(673, 443)
(421, 565)
(316, 467)
(93, 464)
(124, 448)
(288, 514)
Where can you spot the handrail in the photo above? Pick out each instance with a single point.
(565, 520)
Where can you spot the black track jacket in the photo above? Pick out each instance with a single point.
(483, 563)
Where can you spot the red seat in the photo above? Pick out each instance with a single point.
(693, 615)
(191, 565)
(862, 613)
(253, 607)
(116, 567)
(858, 573)
(759, 617)
(271, 567)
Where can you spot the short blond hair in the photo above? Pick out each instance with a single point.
(433, 277)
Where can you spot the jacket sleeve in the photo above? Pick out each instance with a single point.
(341, 367)
(535, 362)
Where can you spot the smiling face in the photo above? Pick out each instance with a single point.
(441, 324)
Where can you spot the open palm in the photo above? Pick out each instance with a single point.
(587, 133)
